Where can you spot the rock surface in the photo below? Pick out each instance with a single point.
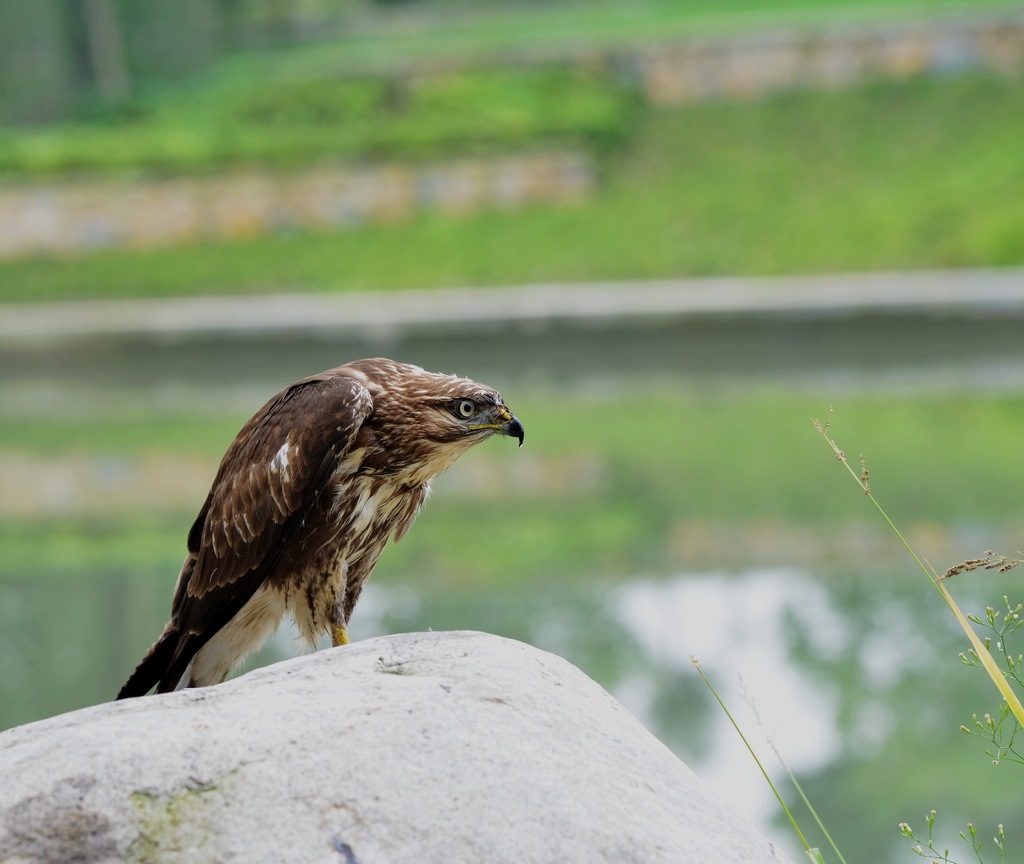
(459, 748)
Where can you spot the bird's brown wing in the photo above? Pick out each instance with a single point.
(267, 484)
(275, 468)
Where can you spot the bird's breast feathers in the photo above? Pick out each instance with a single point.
(375, 506)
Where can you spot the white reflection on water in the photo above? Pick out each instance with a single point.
(736, 627)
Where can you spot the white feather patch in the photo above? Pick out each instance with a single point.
(280, 461)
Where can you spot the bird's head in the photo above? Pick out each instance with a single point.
(476, 413)
(460, 412)
(438, 417)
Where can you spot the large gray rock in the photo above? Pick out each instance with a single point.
(458, 748)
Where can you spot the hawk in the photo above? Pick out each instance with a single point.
(303, 503)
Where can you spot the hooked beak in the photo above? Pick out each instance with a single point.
(508, 424)
(514, 429)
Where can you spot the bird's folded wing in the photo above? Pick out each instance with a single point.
(270, 478)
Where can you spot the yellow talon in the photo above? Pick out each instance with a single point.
(339, 635)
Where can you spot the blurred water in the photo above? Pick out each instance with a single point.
(854, 673)
(851, 672)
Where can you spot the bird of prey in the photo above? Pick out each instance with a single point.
(303, 503)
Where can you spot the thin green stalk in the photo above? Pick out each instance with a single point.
(800, 790)
(743, 738)
(810, 807)
(986, 658)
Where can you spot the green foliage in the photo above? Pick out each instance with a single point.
(80, 546)
(884, 176)
(925, 847)
(123, 432)
(295, 122)
(1001, 730)
(979, 656)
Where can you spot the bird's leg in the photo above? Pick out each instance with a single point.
(338, 620)
(336, 615)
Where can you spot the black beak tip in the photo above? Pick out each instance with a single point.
(515, 430)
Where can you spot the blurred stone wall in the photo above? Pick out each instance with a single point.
(737, 66)
(70, 216)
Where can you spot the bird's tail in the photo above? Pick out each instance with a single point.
(154, 666)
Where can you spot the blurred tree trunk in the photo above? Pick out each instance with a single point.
(53, 50)
(170, 38)
(37, 74)
(106, 50)
(232, 22)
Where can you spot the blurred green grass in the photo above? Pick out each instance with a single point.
(919, 174)
(233, 123)
(394, 85)
(622, 485)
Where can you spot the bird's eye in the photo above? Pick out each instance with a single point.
(466, 408)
